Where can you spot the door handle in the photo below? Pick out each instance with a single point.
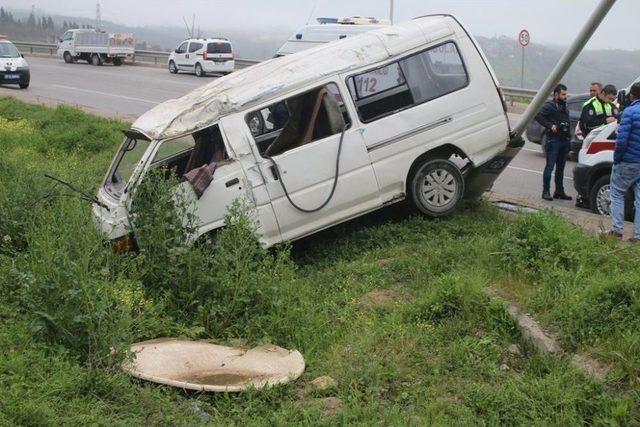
(186, 56)
(234, 181)
(274, 172)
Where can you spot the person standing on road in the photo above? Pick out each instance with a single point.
(626, 166)
(594, 89)
(554, 117)
(599, 110)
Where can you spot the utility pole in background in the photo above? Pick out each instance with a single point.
(391, 11)
(98, 17)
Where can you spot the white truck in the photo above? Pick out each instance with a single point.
(96, 47)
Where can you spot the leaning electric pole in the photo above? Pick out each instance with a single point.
(391, 11)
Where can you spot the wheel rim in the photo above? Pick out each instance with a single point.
(172, 67)
(438, 189)
(198, 70)
(603, 200)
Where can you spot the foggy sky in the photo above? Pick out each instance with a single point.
(548, 21)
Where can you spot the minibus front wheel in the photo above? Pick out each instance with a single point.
(436, 187)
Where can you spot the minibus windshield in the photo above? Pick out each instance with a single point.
(126, 161)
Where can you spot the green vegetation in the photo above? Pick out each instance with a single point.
(390, 305)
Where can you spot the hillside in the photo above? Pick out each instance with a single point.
(617, 67)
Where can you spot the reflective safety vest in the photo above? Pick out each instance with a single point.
(597, 106)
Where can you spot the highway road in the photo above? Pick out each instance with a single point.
(129, 91)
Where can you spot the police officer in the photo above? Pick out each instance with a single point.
(599, 110)
(554, 117)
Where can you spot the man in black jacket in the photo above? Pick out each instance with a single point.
(554, 116)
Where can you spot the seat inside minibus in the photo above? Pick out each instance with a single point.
(180, 156)
(313, 115)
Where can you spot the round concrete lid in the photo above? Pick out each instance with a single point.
(197, 365)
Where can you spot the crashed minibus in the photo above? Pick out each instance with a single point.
(411, 111)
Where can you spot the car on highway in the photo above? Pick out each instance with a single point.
(203, 56)
(14, 69)
(328, 30)
(537, 134)
(592, 174)
(411, 111)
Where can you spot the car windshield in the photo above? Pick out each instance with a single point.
(8, 50)
(127, 159)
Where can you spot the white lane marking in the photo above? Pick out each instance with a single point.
(533, 151)
(532, 171)
(130, 98)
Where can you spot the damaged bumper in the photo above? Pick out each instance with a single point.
(480, 179)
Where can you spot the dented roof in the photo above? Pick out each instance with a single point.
(242, 89)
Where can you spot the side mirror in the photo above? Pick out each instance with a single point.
(22, 55)
(177, 51)
(60, 40)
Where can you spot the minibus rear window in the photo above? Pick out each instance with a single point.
(219, 48)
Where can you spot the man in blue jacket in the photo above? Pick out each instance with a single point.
(626, 166)
(554, 116)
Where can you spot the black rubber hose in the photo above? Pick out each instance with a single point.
(335, 179)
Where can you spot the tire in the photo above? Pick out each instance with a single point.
(172, 67)
(96, 60)
(436, 187)
(199, 71)
(117, 61)
(600, 196)
(23, 85)
(67, 58)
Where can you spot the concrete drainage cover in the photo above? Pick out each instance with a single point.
(197, 365)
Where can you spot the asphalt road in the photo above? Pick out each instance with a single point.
(129, 91)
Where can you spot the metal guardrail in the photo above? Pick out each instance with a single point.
(141, 56)
(160, 58)
(519, 92)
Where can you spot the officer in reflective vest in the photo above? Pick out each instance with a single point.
(599, 110)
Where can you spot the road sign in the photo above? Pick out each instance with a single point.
(524, 38)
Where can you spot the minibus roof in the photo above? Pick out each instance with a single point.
(269, 79)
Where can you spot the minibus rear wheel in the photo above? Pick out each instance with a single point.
(436, 187)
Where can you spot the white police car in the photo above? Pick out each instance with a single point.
(14, 69)
(592, 174)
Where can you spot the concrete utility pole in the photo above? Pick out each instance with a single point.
(565, 62)
(391, 11)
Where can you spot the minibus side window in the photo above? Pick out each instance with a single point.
(411, 81)
(298, 120)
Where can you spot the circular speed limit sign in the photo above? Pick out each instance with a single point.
(524, 38)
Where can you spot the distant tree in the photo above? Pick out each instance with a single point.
(50, 24)
(31, 22)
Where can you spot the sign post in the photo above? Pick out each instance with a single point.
(524, 39)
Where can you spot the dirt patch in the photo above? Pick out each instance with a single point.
(330, 405)
(386, 261)
(384, 298)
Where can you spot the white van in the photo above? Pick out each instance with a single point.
(407, 111)
(328, 30)
(203, 56)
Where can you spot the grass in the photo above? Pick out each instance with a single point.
(433, 350)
